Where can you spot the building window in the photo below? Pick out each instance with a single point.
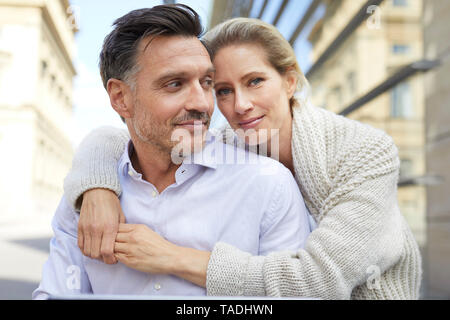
(401, 48)
(53, 81)
(400, 3)
(406, 168)
(351, 78)
(336, 93)
(401, 101)
(44, 68)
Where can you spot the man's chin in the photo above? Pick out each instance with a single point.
(186, 143)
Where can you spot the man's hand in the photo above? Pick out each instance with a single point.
(100, 216)
(142, 249)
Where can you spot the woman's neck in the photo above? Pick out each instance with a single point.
(286, 147)
(284, 154)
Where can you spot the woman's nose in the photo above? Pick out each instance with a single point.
(242, 104)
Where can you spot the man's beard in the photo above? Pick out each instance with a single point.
(150, 131)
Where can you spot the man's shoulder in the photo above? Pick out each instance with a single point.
(238, 159)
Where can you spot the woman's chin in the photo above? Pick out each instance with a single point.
(254, 138)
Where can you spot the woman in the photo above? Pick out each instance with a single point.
(346, 171)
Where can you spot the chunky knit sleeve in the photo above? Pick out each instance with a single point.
(361, 231)
(362, 248)
(95, 163)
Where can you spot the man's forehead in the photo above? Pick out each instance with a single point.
(164, 49)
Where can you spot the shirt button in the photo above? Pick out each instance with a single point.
(154, 194)
(157, 286)
(130, 173)
(183, 171)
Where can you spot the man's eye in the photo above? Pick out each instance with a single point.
(208, 83)
(256, 81)
(174, 84)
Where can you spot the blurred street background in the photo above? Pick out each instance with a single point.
(382, 62)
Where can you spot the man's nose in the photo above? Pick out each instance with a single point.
(200, 100)
(241, 103)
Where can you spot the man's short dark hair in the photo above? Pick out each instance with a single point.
(119, 52)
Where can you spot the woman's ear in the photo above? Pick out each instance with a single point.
(291, 79)
(121, 97)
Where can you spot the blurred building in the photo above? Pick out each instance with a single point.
(437, 115)
(371, 53)
(36, 71)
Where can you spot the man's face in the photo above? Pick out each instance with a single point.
(174, 88)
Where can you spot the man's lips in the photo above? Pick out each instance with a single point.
(192, 123)
(250, 123)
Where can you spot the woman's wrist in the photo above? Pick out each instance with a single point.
(191, 265)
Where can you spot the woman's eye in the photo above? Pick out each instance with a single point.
(256, 81)
(223, 92)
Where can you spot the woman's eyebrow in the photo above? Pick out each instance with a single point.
(253, 73)
(244, 77)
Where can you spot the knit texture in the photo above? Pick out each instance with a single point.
(347, 173)
(362, 248)
(95, 163)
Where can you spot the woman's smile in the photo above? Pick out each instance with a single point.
(251, 123)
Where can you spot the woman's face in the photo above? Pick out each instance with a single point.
(251, 94)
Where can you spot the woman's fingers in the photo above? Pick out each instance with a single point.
(80, 239)
(121, 216)
(120, 248)
(96, 241)
(122, 257)
(107, 248)
(122, 237)
(87, 245)
(123, 227)
(100, 215)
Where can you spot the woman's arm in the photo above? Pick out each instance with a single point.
(94, 164)
(336, 259)
(363, 230)
(93, 187)
(142, 249)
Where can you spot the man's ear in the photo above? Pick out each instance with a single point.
(291, 78)
(121, 97)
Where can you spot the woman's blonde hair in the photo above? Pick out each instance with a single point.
(279, 52)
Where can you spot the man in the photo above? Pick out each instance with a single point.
(159, 78)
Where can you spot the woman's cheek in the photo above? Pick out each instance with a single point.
(226, 109)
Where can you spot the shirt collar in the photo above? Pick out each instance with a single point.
(204, 158)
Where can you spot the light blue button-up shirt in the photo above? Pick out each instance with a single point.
(256, 207)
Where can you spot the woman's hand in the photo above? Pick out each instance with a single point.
(100, 216)
(142, 249)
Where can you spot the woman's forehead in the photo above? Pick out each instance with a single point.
(241, 57)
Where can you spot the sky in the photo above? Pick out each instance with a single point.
(94, 19)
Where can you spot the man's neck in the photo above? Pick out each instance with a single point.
(154, 164)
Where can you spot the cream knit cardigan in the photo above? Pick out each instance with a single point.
(347, 173)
